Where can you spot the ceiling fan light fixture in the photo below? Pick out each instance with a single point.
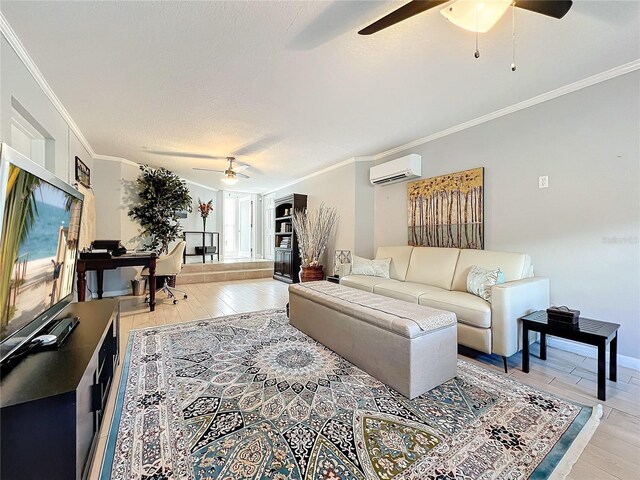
(476, 15)
(230, 179)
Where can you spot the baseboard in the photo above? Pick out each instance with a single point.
(591, 352)
(112, 293)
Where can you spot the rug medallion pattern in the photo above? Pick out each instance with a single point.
(249, 396)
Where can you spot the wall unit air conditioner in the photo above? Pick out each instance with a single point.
(398, 170)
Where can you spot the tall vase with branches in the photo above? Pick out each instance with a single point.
(205, 209)
(313, 229)
(163, 195)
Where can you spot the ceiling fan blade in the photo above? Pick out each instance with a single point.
(184, 154)
(406, 11)
(551, 8)
(241, 175)
(257, 145)
(240, 167)
(208, 170)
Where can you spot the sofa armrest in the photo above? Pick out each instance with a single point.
(509, 302)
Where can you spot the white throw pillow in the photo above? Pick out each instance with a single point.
(373, 268)
(480, 281)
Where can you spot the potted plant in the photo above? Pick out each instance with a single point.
(205, 209)
(313, 229)
(163, 195)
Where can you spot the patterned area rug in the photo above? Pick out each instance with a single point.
(250, 397)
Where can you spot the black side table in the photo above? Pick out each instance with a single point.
(591, 332)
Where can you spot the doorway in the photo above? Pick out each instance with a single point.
(238, 223)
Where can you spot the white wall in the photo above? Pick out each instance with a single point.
(347, 189)
(18, 85)
(582, 231)
(114, 186)
(364, 211)
(194, 220)
(19, 88)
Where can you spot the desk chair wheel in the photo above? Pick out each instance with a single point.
(185, 296)
(175, 301)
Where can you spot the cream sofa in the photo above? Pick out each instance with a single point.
(437, 277)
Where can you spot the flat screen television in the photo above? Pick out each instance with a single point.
(41, 218)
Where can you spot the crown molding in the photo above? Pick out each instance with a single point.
(131, 163)
(201, 185)
(344, 163)
(110, 158)
(558, 92)
(17, 46)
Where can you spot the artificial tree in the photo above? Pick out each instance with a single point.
(163, 195)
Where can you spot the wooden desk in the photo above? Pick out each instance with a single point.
(99, 265)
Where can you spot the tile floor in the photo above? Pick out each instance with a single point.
(612, 453)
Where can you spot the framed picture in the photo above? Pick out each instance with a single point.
(447, 211)
(83, 174)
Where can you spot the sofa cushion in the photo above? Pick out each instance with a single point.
(515, 266)
(468, 308)
(433, 266)
(407, 291)
(400, 257)
(480, 281)
(375, 268)
(364, 282)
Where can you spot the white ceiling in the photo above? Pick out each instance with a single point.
(291, 84)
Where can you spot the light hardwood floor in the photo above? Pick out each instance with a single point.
(612, 453)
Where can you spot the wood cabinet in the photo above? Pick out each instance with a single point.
(282, 265)
(286, 263)
(53, 401)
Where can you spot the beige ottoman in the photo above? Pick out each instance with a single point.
(412, 348)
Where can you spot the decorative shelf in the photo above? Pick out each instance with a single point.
(286, 264)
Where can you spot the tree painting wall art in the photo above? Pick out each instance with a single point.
(447, 211)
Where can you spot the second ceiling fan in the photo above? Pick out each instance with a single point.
(231, 174)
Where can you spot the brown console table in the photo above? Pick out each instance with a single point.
(99, 265)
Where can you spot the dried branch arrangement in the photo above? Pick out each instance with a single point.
(313, 228)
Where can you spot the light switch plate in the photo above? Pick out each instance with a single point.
(543, 182)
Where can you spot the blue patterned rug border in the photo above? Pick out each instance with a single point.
(109, 450)
(559, 461)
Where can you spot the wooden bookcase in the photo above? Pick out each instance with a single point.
(286, 264)
(53, 402)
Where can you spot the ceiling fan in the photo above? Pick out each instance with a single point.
(474, 15)
(231, 174)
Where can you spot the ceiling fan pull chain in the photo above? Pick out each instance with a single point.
(513, 36)
(477, 52)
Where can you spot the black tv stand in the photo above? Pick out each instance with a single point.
(53, 401)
